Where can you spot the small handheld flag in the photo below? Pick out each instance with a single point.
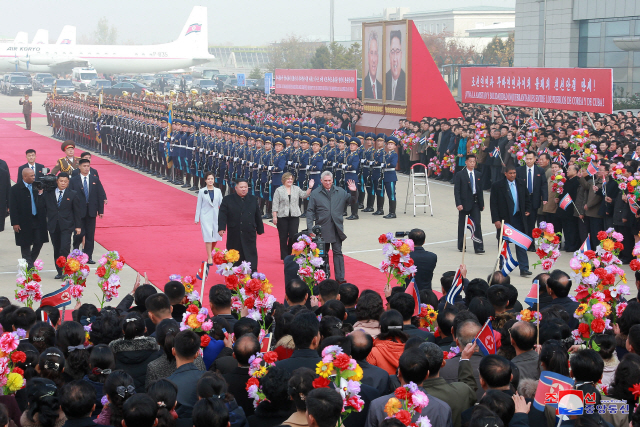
(549, 386)
(532, 123)
(472, 228)
(203, 271)
(586, 245)
(45, 317)
(566, 201)
(456, 287)
(633, 206)
(513, 235)
(57, 299)
(495, 152)
(415, 294)
(562, 160)
(507, 260)
(635, 156)
(592, 169)
(532, 296)
(486, 340)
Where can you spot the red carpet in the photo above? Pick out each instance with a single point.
(152, 224)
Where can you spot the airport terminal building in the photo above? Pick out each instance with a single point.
(581, 33)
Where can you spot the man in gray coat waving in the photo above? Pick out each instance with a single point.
(326, 206)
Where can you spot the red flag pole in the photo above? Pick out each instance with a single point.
(464, 241)
(495, 267)
(205, 270)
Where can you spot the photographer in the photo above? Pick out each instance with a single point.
(326, 205)
(28, 216)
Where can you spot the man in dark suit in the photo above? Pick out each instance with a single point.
(396, 77)
(31, 163)
(424, 260)
(64, 215)
(510, 203)
(5, 189)
(28, 216)
(306, 338)
(467, 191)
(92, 197)
(569, 220)
(374, 376)
(240, 212)
(534, 179)
(245, 347)
(92, 171)
(372, 86)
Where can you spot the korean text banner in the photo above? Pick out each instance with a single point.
(578, 89)
(334, 83)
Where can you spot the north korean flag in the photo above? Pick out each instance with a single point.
(515, 236)
(203, 271)
(532, 296)
(57, 299)
(592, 169)
(486, 340)
(415, 294)
(566, 201)
(633, 206)
(549, 386)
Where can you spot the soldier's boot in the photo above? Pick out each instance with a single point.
(392, 210)
(267, 214)
(187, 181)
(380, 205)
(305, 203)
(361, 196)
(370, 199)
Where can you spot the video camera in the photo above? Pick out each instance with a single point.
(400, 234)
(319, 241)
(46, 183)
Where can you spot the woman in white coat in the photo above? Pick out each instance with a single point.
(209, 200)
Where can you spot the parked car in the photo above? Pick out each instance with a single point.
(64, 87)
(204, 85)
(95, 85)
(130, 87)
(18, 85)
(231, 84)
(37, 79)
(46, 84)
(4, 85)
(250, 83)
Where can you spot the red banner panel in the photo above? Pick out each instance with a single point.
(334, 83)
(578, 89)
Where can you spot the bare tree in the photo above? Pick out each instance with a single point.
(291, 52)
(104, 34)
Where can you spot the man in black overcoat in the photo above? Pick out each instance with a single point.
(5, 187)
(240, 216)
(28, 216)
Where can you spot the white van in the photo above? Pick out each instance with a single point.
(82, 76)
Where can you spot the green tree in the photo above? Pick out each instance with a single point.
(256, 73)
(336, 56)
(322, 58)
(499, 52)
(104, 34)
(291, 52)
(446, 49)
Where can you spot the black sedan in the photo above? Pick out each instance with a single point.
(129, 87)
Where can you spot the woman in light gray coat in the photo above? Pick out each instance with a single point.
(209, 200)
(286, 211)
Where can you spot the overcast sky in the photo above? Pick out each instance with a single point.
(237, 22)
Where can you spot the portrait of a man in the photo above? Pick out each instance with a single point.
(372, 85)
(396, 79)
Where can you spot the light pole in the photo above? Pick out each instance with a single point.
(331, 22)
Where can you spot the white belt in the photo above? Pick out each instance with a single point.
(390, 169)
(190, 148)
(314, 173)
(377, 167)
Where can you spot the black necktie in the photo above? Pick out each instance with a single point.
(59, 198)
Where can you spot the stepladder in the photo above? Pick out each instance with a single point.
(418, 192)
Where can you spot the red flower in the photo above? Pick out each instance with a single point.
(536, 232)
(382, 239)
(231, 282)
(253, 286)
(590, 254)
(404, 417)
(541, 253)
(600, 272)
(394, 259)
(401, 393)
(635, 390)
(342, 361)
(583, 328)
(18, 371)
(581, 292)
(597, 326)
(68, 271)
(193, 309)
(409, 263)
(602, 235)
(252, 381)
(249, 302)
(18, 357)
(556, 239)
(270, 357)
(607, 295)
(204, 340)
(121, 259)
(618, 246)
(607, 257)
(320, 383)
(101, 271)
(218, 258)
(61, 261)
(36, 277)
(609, 279)
(634, 265)
(355, 402)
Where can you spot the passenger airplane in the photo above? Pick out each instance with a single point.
(41, 37)
(21, 38)
(191, 48)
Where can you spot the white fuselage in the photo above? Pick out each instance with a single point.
(107, 59)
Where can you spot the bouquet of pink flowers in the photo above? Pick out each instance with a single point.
(449, 162)
(397, 262)
(434, 166)
(76, 271)
(408, 401)
(111, 264)
(548, 244)
(307, 256)
(519, 149)
(28, 282)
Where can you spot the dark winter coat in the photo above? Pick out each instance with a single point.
(134, 355)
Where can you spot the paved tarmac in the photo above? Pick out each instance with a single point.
(361, 244)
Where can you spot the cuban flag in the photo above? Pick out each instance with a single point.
(486, 340)
(549, 387)
(586, 245)
(592, 168)
(511, 234)
(562, 160)
(45, 317)
(456, 287)
(472, 228)
(566, 201)
(423, 140)
(57, 299)
(635, 156)
(532, 296)
(194, 28)
(415, 294)
(507, 260)
(203, 270)
(495, 152)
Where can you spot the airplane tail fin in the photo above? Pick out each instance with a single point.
(41, 37)
(67, 35)
(21, 38)
(195, 33)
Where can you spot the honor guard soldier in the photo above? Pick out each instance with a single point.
(221, 171)
(352, 169)
(302, 165)
(367, 170)
(341, 160)
(189, 142)
(256, 158)
(265, 176)
(329, 152)
(376, 173)
(315, 163)
(361, 187)
(390, 177)
(279, 165)
(69, 162)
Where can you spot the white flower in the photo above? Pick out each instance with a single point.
(22, 264)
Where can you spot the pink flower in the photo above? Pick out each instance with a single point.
(8, 342)
(206, 326)
(617, 236)
(305, 272)
(598, 310)
(549, 228)
(319, 275)
(119, 265)
(22, 295)
(574, 264)
(313, 246)
(76, 291)
(547, 264)
(38, 264)
(201, 317)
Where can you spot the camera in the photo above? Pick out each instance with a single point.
(46, 183)
(400, 234)
(319, 241)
